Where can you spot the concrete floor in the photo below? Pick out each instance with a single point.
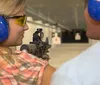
(61, 53)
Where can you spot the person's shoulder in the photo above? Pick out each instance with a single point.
(48, 72)
(83, 65)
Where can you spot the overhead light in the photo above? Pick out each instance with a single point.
(47, 24)
(29, 18)
(39, 21)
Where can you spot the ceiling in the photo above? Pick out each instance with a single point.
(65, 13)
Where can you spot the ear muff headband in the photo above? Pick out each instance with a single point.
(94, 9)
(4, 31)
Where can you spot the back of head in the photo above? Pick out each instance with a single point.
(8, 6)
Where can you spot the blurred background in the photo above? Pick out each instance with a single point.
(63, 25)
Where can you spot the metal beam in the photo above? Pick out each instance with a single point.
(43, 17)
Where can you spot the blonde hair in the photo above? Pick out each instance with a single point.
(85, 3)
(8, 6)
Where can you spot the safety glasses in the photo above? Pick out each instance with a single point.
(20, 20)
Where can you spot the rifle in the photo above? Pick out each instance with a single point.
(38, 47)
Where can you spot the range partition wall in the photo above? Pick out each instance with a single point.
(74, 36)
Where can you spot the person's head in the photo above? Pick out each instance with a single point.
(39, 30)
(93, 26)
(13, 13)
